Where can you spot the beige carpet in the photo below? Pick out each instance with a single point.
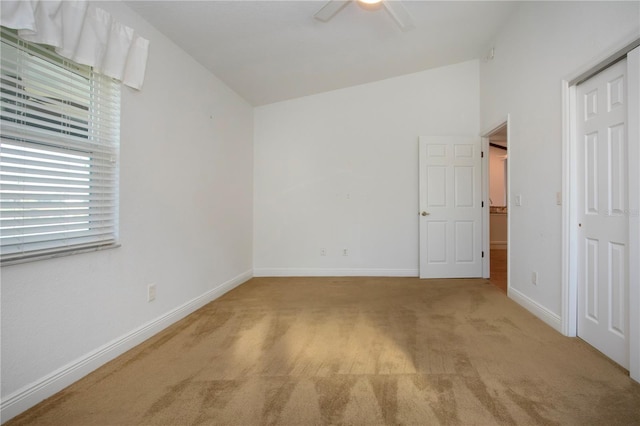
(363, 351)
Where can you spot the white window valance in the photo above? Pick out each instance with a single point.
(83, 33)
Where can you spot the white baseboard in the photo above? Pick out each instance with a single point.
(550, 318)
(498, 245)
(321, 272)
(47, 386)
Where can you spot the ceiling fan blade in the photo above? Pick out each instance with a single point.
(397, 10)
(329, 9)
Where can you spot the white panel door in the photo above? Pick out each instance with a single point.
(450, 207)
(603, 232)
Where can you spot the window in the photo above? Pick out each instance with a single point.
(59, 142)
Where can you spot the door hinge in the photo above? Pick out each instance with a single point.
(481, 154)
(482, 254)
(482, 204)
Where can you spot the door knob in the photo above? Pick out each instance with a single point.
(425, 214)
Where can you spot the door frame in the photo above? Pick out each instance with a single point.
(569, 314)
(486, 239)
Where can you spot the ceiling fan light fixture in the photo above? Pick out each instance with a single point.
(370, 4)
(394, 7)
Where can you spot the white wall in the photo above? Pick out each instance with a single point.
(543, 43)
(340, 170)
(185, 225)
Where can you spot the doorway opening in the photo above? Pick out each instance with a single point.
(498, 206)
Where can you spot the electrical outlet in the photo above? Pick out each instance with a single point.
(151, 292)
(534, 278)
(323, 252)
(345, 252)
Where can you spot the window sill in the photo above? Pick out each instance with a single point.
(52, 255)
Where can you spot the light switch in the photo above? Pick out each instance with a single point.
(518, 200)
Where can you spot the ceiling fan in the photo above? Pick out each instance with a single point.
(395, 8)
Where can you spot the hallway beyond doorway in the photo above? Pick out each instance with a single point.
(498, 273)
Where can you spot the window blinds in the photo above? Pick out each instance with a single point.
(59, 138)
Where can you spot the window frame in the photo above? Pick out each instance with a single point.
(89, 137)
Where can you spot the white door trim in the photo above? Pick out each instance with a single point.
(569, 308)
(633, 130)
(569, 207)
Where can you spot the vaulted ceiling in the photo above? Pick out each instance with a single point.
(269, 51)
